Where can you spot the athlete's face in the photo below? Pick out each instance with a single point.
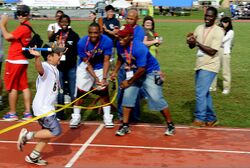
(58, 15)
(148, 24)
(64, 23)
(94, 34)
(22, 16)
(132, 18)
(209, 18)
(55, 58)
(110, 14)
(124, 41)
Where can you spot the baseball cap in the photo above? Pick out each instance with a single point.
(52, 48)
(126, 30)
(92, 11)
(23, 8)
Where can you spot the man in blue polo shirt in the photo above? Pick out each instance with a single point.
(142, 70)
(94, 52)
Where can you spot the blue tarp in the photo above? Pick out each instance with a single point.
(11, 1)
(173, 3)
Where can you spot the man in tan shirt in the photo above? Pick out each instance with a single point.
(207, 38)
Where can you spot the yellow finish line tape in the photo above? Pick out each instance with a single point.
(55, 111)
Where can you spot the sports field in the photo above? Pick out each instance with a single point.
(177, 61)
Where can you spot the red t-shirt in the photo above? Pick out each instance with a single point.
(22, 33)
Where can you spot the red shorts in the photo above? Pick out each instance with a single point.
(15, 76)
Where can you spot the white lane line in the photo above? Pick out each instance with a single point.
(137, 147)
(50, 143)
(174, 149)
(84, 147)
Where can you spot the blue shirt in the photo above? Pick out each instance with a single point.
(141, 57)
(98, 52)
(139, 33)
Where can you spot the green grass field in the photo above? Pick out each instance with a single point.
(177, 61)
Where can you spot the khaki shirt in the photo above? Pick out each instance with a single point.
(211, 37)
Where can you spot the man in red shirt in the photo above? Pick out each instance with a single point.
(15, 76)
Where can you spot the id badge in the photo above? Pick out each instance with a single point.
(129, 75)
(63, 58)
(200, 53)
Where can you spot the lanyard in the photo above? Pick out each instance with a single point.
(128, 56)
(63, 37)
(90, 53)
(205, 34)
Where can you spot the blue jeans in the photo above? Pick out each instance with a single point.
(70, 77)
(204, 105)
(135, 115)
(155, 98)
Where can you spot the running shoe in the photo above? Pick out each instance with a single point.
(123, 130)
(10, 117)
(22, 139)
(27, 116)
(38, 161)
(170, 129)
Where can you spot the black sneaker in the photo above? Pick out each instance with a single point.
(170, 129)
(123, 130)
(38, 161)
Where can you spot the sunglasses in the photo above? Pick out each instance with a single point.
(21, 13)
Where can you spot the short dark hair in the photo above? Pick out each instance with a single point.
(213, 9)
(65, 16)
(109, 7)
(94, 24)
(59, 11)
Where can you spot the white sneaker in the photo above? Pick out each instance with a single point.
(108, 121)
(75, 121)
(226, 91)
(39, 161)
(211, 89)
(22, 139)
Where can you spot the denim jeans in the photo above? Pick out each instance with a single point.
(70, 77)
(135, 115)
(204, 105)
(155, 98)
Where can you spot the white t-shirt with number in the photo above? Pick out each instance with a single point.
(47, 87)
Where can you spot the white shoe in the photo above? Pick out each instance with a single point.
(39, 161)
(226, 91)
(108, 121)
(75, 121)
(211, 89)
(22, 139)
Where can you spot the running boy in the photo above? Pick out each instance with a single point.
(47, 85)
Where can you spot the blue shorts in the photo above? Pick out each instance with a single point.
(153, 92)
(52, 124)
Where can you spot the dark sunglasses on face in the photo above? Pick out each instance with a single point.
(21, 13)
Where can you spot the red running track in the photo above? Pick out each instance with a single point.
(93, 146)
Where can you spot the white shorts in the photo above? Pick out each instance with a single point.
(84, 81)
